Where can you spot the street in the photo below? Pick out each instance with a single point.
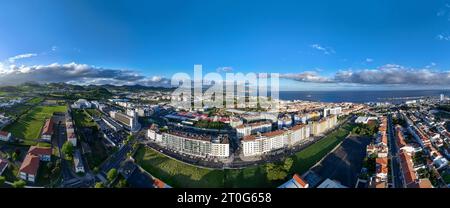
(396, 178)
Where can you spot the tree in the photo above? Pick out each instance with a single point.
(68, 149)
(122, 183)
(15, 156)
(96, 170)
(112, 174)
(19, 184)
(2, 180)
(49, 165)
(99, 185)
(55, 170)
(288, 164)
(279, 171)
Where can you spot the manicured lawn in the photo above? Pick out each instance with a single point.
(82, 119)
(93, 112)
(28, 126)
(306, 158)
(175, 173)
(98, 152)
(19, 109)
(179, 174)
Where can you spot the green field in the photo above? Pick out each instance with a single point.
(19, 109)
(93, 112)
(82, 119)
(446, 178)
(28, 126)
(179, 174)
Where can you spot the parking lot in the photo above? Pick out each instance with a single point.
(345, 163)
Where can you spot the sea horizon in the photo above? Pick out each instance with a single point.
(361, 96)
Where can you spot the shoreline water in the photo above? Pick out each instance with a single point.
(393, 96)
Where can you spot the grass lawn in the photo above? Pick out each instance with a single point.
(19, 109)
(306, 158)
(93, 112)
(446, 178)
(179, 174)
(99, 153)
(28, 126)
(175, 173)
(82, 119)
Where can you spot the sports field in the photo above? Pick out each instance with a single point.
(28, 126)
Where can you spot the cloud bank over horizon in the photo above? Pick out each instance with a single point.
(389, 74)
(83, 74)
(74, 73)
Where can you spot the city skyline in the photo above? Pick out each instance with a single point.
(314, 46)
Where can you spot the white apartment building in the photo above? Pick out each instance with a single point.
(191, 143)
(332, 111)
(130, 122)
(253, 128)
(260, 144)
(5, 136)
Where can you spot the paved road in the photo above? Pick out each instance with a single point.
(69, 178)
(345, 163)
(396, 179)
(115, 160)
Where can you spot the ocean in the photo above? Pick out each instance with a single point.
(394, 96)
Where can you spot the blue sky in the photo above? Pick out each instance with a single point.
(307, 41)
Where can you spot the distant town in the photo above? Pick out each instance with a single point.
(103, 136)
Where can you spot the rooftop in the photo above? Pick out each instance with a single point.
(30, 164)
(48, 127)
(4, 133)
(38, 151)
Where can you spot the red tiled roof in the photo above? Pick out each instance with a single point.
(400, 139)
(249, 138)
(297, 127)
(30, 165)
(407, 168)
(299, 180)
(71, 136)
(48, 127)
(383, 163)
(425, 183)
(159, 184)
(4, 133)
(384, 138)
(35, 150)
(273, 133)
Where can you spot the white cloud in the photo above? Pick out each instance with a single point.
(307, 76)
(75, 73)
(323, 49)
(431, 65)
(384, 75)
(54, 48)
(21, 56)
(368, 60)
(394, 74)
(444, 37)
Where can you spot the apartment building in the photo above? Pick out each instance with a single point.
(253, 128)
(130, 122)
(30, 165)
(5, 136)
(47, 130)
(199, 145)
(70, 131)
(263, 143)
(322, 125)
